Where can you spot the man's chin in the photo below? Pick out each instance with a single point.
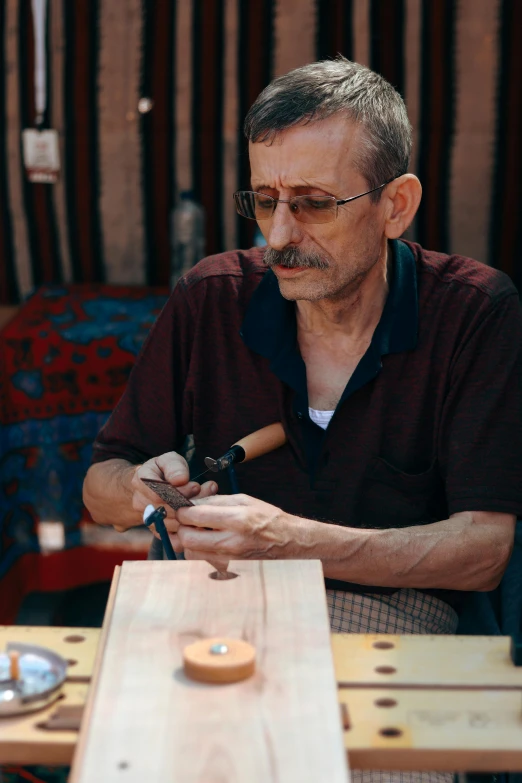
(296, 288)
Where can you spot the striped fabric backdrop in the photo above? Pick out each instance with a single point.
(202, 63)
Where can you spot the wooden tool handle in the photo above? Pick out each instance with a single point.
(262, 441)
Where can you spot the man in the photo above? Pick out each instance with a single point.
(395, 371)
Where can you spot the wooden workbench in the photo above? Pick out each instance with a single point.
(407, 702)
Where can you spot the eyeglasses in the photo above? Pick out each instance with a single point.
(307, 209)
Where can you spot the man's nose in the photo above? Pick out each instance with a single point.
(283, 229)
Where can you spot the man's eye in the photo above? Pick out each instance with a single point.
(317, 203)
(264, 203)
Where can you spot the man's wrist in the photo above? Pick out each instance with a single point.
(305, 537)
(126, 479)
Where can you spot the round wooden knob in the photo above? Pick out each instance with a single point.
(219, 660)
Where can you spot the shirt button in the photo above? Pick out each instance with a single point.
(299, 415)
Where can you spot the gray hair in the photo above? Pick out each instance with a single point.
(319, 90)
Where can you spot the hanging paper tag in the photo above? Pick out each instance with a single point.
(41, 155)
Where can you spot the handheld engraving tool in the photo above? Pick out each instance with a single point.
(251, 446)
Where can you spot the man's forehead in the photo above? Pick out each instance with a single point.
(318, 151)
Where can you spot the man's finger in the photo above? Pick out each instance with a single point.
(208, 540)
(171, 524)
(224, 500)
(177, 546)
(205, 515)
(206, 490)
(174, 468)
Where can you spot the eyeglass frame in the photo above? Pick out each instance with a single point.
(338, 201)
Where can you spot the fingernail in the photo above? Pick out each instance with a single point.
(213, 488)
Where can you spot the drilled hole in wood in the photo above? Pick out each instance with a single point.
(123, 765)
(383, 645)
(74, 638)
(223, 576)
(390, 731)
(345, 717)
(385, 703)
(71, 661)
(385, 669)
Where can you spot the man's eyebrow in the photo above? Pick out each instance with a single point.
(262, 185)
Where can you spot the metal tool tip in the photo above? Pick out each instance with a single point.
(212, 464)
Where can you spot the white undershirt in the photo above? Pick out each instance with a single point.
(321, 418)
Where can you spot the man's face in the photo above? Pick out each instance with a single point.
(318, 159)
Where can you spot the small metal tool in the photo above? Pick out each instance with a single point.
(234, 454)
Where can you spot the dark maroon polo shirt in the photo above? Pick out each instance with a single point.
(430, 423)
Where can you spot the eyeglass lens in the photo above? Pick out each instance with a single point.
(307, 209)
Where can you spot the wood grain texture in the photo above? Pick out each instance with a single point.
(467, 731)
(152, 723)
(96, 670)
(438, 728)
(22, 741)
(418, 661)
(77, 645)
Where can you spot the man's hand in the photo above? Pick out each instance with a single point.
(115, 495)
(238, 527)
(171, 467)
(469, 551)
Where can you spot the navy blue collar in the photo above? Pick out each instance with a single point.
(270, 329)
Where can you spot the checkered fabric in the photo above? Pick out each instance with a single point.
(406, 611)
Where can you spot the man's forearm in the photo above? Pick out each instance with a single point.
(108, 495)
(467, 552)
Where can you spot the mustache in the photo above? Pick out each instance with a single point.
(292, 257)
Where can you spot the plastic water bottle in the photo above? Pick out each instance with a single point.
(187, 235)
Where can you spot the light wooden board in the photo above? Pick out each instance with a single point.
(76, 645)
(22, 740)
(148, 722)
(473, 731)
(443, 729)
(424, 661)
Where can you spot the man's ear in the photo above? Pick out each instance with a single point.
(404, 195)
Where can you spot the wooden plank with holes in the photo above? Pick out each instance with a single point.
(386, 660)
(77, 645)
(25, 739)
(406, 727)
(280, 724)
(446, 730)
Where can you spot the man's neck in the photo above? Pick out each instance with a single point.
(355, 314)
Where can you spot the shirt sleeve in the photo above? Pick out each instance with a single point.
(151, 417)
(480, 441)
